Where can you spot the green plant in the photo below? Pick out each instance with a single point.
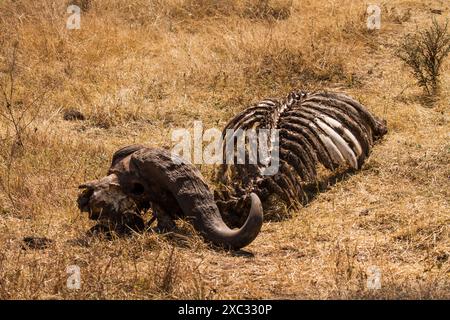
(424, 52)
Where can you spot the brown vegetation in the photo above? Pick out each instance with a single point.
(138, 69)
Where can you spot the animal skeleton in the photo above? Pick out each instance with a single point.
(315, 128)
(324, 128)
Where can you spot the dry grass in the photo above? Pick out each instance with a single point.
(140, 69)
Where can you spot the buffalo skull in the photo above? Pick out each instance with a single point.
(141, 178)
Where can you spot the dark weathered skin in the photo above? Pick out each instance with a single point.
(142, 177)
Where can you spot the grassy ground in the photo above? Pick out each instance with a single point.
(138, 70)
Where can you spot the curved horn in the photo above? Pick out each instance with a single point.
(219, 233)
(186, 184)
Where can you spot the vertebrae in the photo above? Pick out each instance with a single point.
(321, 128)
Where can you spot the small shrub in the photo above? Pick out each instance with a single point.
(424, 52)
(84, 5)
(267, 10)
(208, 8)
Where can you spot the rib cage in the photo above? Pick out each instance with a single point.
(324, 128)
